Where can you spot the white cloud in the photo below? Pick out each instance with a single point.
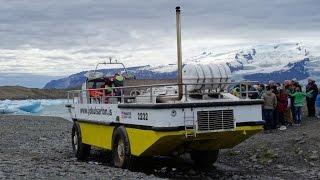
(63, 37)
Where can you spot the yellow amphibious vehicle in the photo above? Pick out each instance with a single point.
(196, 115)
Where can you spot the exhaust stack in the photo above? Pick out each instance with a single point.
(179, 53)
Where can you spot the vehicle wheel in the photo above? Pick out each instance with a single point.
(80, 150)
(121, 153)
(204, 159)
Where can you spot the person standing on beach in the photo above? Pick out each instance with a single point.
(318, 106)
(287, 113)
(298, 103)
(311, 88)
(270, 103)
(290, 89)
(282, 107)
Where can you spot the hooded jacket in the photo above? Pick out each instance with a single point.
(270, 100)
(312, 88)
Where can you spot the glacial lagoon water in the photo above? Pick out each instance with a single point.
(38, 107)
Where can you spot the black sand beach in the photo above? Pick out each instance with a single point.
(33, 147)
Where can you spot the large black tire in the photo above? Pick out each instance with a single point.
(204, 159)
(121, 152)
(80, 150)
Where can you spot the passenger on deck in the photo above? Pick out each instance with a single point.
(118, 81)
(236, 91)
(94, 93)
(108, 90)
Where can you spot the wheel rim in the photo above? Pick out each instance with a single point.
(75, 141)
(120, 152)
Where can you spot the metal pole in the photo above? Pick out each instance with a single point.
(240, 90)
(151, 94)
(88, 95)
(103, 95)
(179, 52)
(247, 91)
(122, 98)
(186, 92)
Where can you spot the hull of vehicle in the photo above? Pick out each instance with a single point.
(148, 142)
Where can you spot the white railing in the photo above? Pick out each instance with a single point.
(128, 94)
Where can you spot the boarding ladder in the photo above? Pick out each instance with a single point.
(189, 125)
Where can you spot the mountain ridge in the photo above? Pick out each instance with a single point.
(258, 63)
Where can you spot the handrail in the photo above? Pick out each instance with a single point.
(105, 63)
(150, 88)
(174, 84)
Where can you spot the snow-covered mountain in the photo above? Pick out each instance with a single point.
(276, 62)
(265, 62)
(140, 72)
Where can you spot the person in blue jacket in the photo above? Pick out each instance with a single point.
(313, 88)
(317, 104)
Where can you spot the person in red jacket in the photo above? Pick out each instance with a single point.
(95, 94)
(281, 107)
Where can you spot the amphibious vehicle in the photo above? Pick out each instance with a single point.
(195, 115)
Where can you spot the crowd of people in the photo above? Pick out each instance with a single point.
(283, 102)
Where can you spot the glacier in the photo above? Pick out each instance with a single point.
(278, 62)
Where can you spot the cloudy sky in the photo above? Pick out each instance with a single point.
(43, 40)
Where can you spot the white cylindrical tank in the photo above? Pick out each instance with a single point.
(207, 76)
(228, 70)
(216, 75)
(190, 76)
(201, 76)
(225, 75)
(197, 74)
(193, 74)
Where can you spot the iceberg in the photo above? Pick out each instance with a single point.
(5, 109)
(29, 106)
